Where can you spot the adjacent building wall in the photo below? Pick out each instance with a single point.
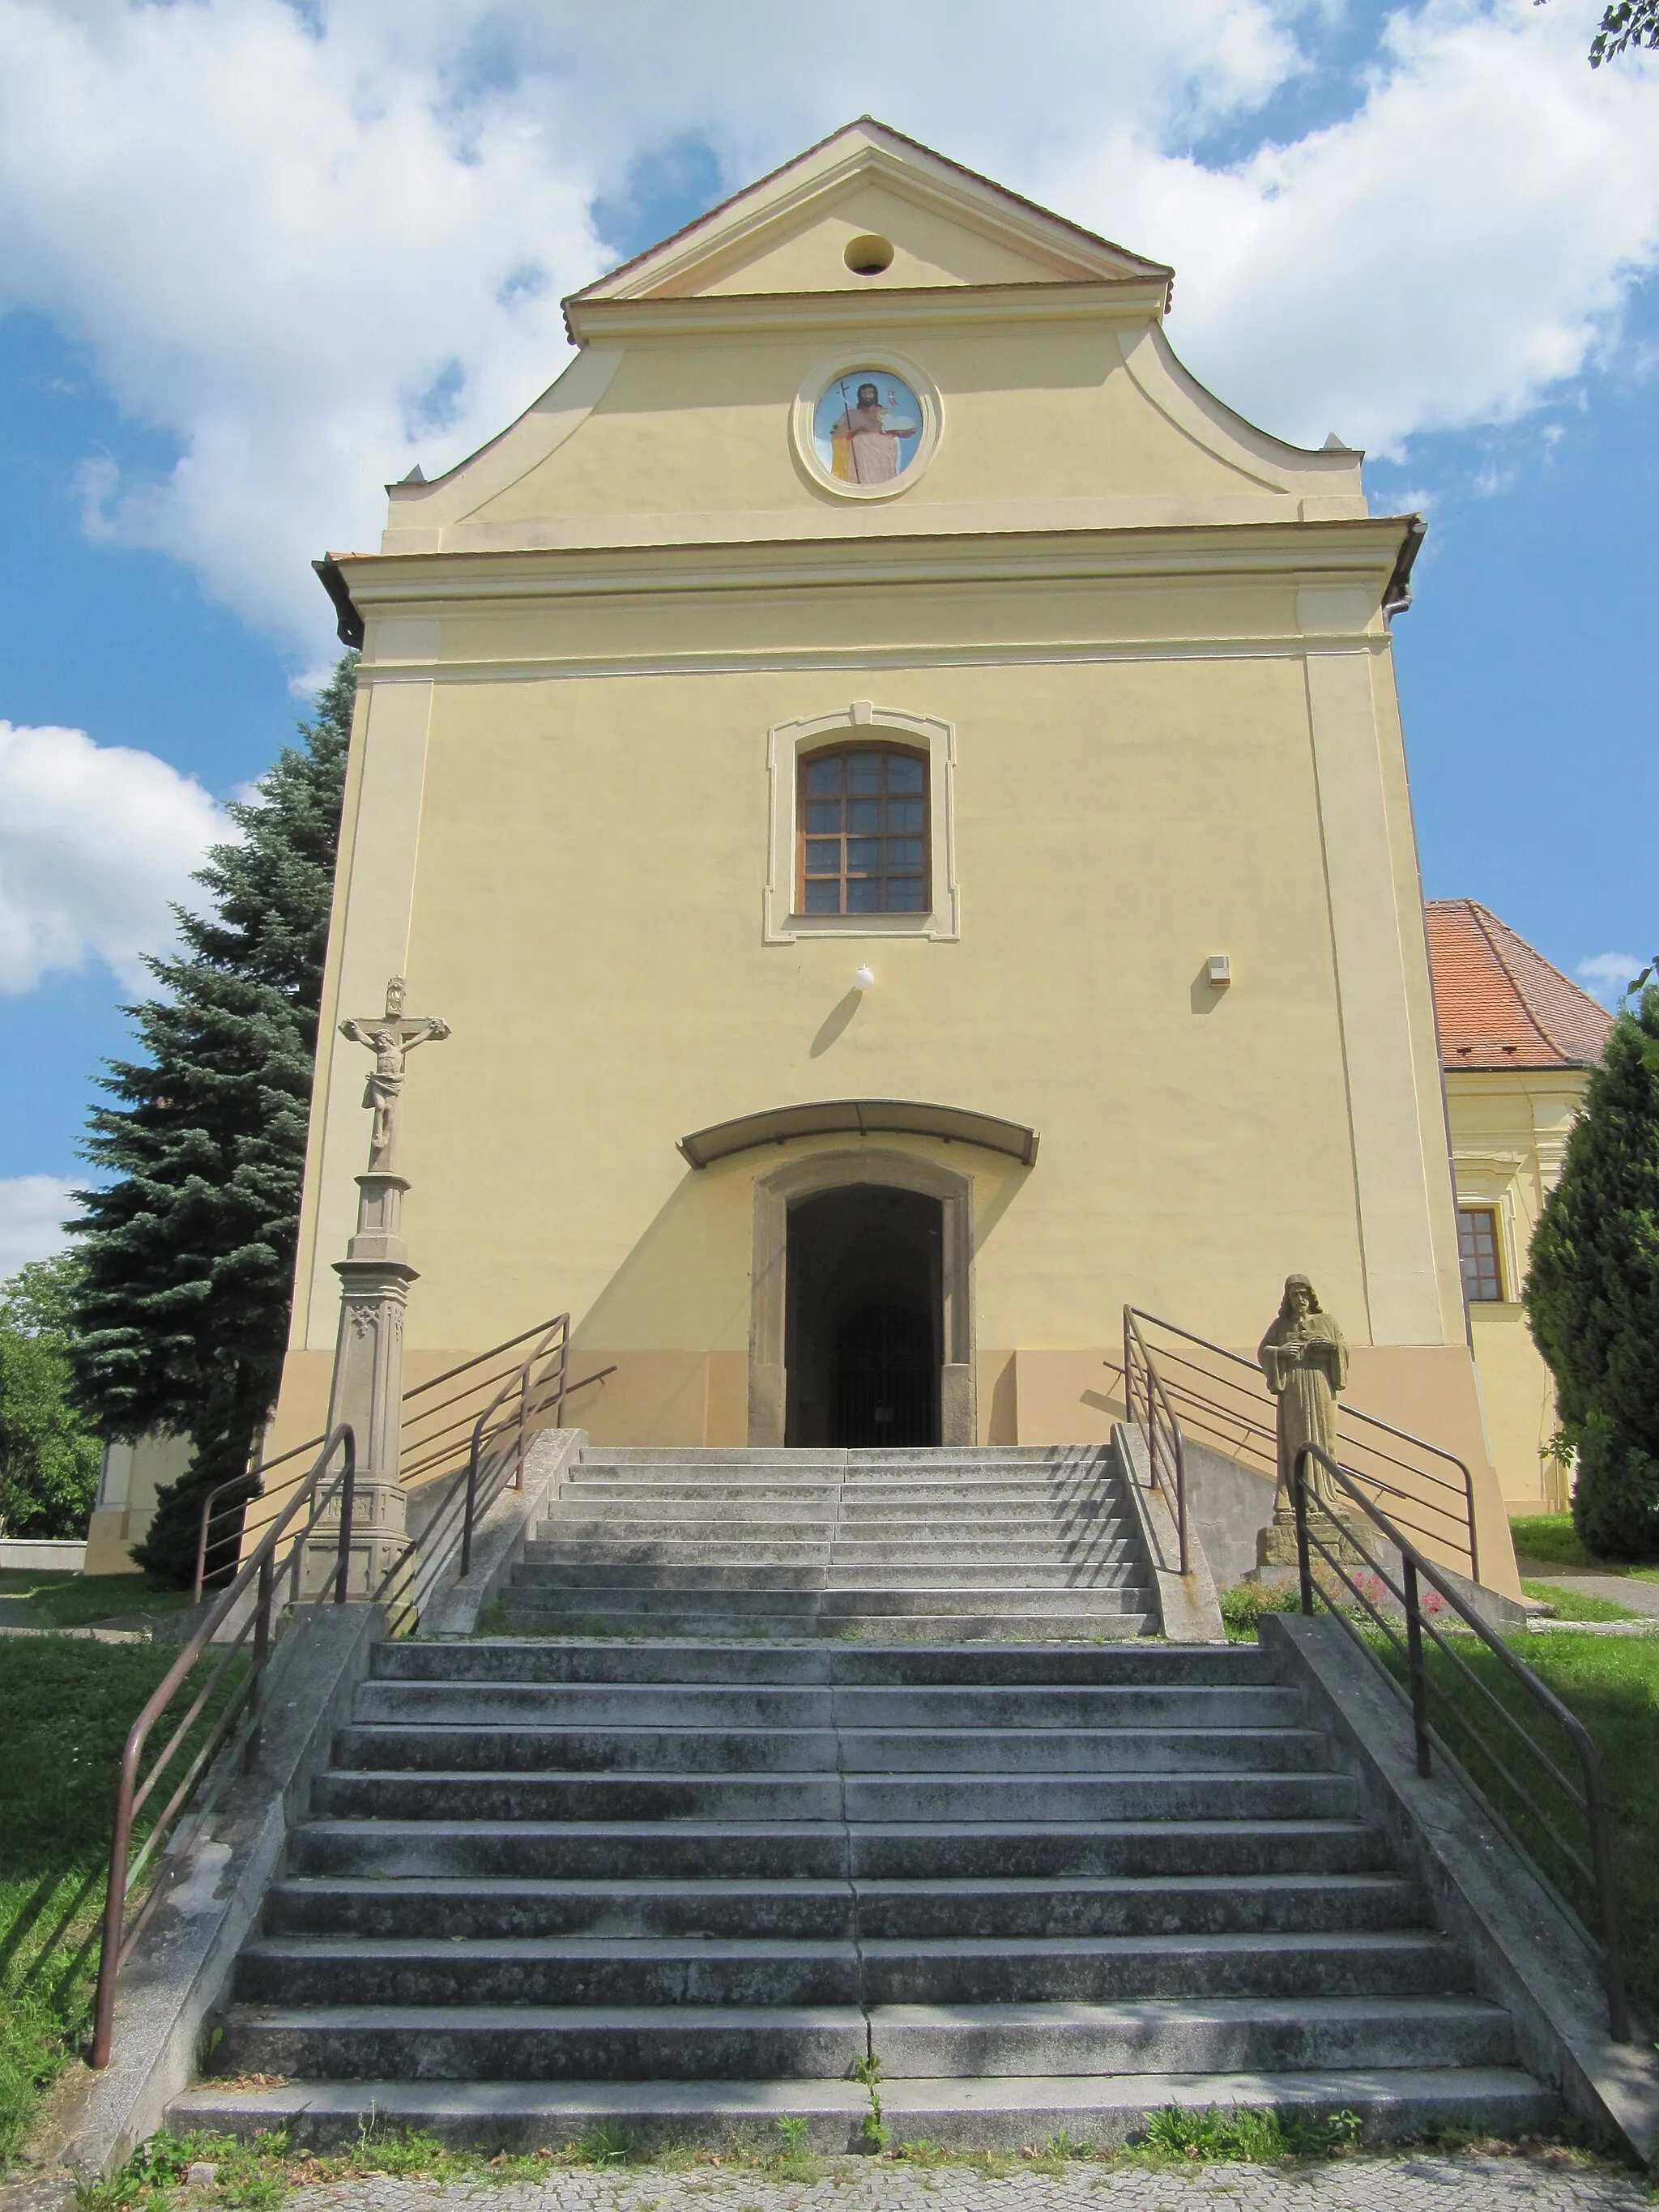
(1508, 1134)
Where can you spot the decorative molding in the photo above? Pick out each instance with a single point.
(785, 743)
(735, 314)
(861, 659)
(864, 1117)
(1361, 553)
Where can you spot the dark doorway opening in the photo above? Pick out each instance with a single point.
(863, 1318)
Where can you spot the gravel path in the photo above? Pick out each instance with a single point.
(1414, 2183)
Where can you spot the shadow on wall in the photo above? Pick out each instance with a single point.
(675, 1314)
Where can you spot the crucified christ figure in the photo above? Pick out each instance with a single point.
(391, 1037)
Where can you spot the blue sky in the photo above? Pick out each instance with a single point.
(262, 258)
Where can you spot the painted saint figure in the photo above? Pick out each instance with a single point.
(1305, 1360)
(865, 447)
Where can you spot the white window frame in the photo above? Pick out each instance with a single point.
(785, 744)
(1499, 1205)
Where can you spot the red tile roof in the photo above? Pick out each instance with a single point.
(1498, 1003)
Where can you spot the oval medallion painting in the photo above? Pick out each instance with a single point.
(866, 428)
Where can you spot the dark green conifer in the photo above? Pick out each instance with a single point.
(188, 1253)
(1592, 1293)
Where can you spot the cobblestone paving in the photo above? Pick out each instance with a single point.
(1411, 2183)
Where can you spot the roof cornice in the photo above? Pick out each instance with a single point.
(722, 314)
(1361, 551)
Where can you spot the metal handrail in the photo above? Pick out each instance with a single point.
(1346, 1416)
(554, 1343)
(259, 1571)
(433, 1450)
(1587, 1798)
(436, 1543)
(1156, 1399)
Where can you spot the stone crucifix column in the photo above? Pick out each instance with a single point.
(375, 1275)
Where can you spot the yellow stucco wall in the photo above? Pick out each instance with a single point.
(1508, 1134)
(1154, 637)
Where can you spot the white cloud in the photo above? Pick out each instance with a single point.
(95, 843)
(1440, 259)
(1608, 974)
(319, 243)
(32, 1211)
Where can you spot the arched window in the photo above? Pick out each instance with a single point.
(861, 813)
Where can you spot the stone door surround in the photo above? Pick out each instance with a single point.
(784, 1186)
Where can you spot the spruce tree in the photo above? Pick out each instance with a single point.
(181, 1314)
(1592, 1293)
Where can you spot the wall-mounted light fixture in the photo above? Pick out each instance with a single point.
(863, 978)
(1221, 969)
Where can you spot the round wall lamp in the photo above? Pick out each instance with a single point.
(863, 978)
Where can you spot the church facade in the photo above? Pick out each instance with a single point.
(899, 794)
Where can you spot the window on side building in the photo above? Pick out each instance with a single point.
(861, 840)
(1477, 1251)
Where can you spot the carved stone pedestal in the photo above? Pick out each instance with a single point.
(1275, 1545)
(368, 1388)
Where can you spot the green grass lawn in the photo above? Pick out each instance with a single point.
(66, 1707)
(1611, 1684)
(1574, 1605)
(61, 1600)
(1551, 1540)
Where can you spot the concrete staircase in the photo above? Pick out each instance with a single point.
(677, 1887)
(995, 1541)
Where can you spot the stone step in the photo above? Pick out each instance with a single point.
(582, 2043)
(602, 1568)
(685, 2043)
(1084, 1626)
(921, 1487)
(842, 1459)
(624, 1525)
(426, 1793)
(922, 1553)
(957, 1970)
(677, 1660)
(439, 1909)
(1104, 2110)
(646, 1519)
(527, 1599)
(1109, 1570)
(958, 1597)
(654, 1746)
(652, 1606)
(607, 1568)
(686, 1705)
(1208, 2035)
(393, 1848)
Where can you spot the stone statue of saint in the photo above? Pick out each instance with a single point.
(1305, 1361)
(391, 1037)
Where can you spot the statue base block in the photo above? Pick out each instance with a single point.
(1275, 1545)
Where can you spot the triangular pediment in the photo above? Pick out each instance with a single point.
(926, 221)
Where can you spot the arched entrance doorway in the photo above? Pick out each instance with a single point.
(879, 1290)
(864, 1323)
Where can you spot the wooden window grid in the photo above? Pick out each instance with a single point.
(861, 839)
(1478, 1256)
